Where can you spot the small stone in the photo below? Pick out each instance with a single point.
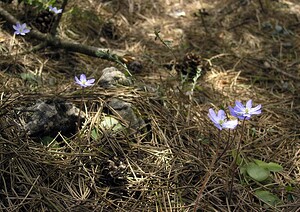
(124, 109)
(112, 77)
(267, 64)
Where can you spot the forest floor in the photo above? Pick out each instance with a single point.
(177, 161)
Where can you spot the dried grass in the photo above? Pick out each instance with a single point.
(162, 166)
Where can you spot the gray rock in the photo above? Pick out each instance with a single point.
(124, 109)
(111, 77)
(47, 118)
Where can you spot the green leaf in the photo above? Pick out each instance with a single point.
(239, 159)
(28, 76)
(267, 197)
(95, 134)
(110, 123)
(289, 188)
(273, 167)
(291, 197)
(243, 169)
(257, 173)
(46, 140)
(260, 162)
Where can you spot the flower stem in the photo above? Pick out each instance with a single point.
(233, 166)
(80, 109)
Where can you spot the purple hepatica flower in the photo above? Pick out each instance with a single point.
(242, 112)
(21, 29)
(220, 120)
(55, 10)
(83, 82)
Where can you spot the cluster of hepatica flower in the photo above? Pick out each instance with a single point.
(22, 29)
(239, 111)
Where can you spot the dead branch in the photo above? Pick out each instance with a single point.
(54, 41)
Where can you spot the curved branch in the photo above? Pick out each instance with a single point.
(106, 54)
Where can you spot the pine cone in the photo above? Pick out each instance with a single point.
(190, 65)
(44, 21)
(110, 31)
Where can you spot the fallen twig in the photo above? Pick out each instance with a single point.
(54, 41)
